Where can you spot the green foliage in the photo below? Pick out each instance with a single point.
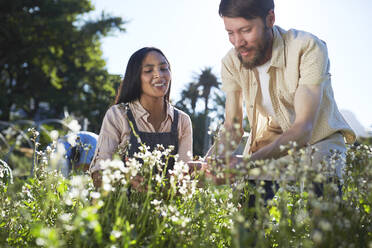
(49, 54)
(188, 210)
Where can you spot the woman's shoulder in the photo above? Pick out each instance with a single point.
(182, 115)
(118, 108)
(117, 112)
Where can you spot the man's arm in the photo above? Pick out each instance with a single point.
(306, 103)
(232, 125)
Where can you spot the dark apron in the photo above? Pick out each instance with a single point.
(153, 139)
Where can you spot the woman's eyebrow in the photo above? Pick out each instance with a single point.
(152, 65)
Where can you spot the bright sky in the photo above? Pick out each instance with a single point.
(192, 36)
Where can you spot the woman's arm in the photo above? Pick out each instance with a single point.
(185, 138)
(111, 135)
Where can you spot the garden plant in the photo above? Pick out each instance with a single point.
(188, 209)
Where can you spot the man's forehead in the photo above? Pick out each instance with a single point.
(236, 22)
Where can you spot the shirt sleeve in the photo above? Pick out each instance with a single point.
(314, 65)
(229, 73)
(185, 138)
(112, 133)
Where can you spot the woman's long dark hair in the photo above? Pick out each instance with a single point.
(130, 88)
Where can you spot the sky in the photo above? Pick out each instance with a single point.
(192, 36)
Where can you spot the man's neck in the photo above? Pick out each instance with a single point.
(269, 51)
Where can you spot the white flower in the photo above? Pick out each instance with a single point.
(255, 172)
(107, 187)
(174, 218)
(54, 134)
(72, 139)
(40, 242)
(95, 195)
(155, 202)
(158, 178)
(65, 217)
(183, 190)
(117, 164)
(49, 149)
(116, 234)
(185, 221)
(123, 181)
(74, 126)
(171, 209)
(104, 164)
(76, 181)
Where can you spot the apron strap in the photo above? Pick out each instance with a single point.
(131, 119)
(175, 122)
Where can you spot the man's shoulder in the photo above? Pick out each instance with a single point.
(295, 37)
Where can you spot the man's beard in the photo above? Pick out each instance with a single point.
(261, 50)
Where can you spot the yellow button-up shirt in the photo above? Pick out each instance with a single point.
(297, 58)
(116, 131)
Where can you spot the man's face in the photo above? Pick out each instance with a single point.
(252, 40)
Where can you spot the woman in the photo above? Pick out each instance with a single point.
(143, 99)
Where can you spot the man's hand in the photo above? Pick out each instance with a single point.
(306, 104)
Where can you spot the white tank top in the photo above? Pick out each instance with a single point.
(265, 105)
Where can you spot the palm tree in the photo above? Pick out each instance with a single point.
(189, 97)
(207, 80)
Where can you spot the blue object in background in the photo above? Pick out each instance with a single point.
(85, 145)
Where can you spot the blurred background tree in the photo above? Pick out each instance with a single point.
(51, 60)
(202, 100)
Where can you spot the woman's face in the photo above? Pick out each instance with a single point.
(155, 75)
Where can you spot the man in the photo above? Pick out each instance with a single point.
(283, 77)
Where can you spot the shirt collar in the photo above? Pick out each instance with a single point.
(277, 57)
(140, 112)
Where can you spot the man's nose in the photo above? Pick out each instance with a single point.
(238, 40)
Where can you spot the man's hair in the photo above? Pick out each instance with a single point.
(248, 9)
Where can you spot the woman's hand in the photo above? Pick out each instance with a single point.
(220, 163)
(97, 179)
(137, 184)
(197, 166)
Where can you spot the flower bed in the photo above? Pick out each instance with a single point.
(183, 209)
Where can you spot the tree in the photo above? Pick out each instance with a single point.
(205, 83)
(50, 58)
(191, 96)
(207, 80)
